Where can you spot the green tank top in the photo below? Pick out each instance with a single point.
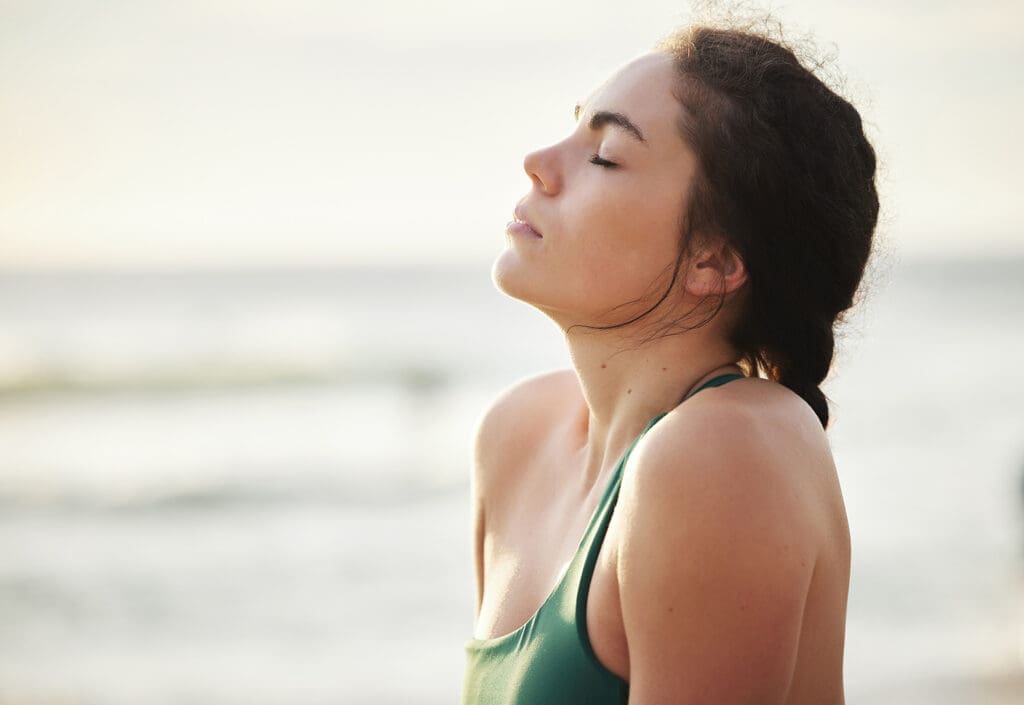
(549, 660)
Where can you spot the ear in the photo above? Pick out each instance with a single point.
(715, 268)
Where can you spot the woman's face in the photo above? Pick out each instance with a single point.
(606, 202)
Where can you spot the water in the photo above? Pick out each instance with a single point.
(227, 487)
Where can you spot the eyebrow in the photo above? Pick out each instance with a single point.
(605, 117)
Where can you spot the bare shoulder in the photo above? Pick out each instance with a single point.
(512, 428)
(761, 423)
(725, 509)
(516, 421)
(751, 441)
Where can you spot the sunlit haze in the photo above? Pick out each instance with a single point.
(229, 133)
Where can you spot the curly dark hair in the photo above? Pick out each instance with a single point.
(787, 177)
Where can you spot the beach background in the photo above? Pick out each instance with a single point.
(247, 327)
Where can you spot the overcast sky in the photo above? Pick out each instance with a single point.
(261, 132)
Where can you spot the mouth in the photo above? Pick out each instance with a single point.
(519, 225)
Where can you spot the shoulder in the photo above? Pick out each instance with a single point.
(722, 526)
(746, 450)
(752, 427)
(517, 419)
(505, 434)
(527, 392)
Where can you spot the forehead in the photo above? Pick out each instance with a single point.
(642, 90)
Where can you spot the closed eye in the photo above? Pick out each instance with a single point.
(602, 162)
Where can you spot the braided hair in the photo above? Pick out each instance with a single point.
(787, 177)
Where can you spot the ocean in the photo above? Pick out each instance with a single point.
(251, 487)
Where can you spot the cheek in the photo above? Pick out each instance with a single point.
(630, 237)
(609, 257)
(618, 258)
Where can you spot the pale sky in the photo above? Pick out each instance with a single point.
(262, 132)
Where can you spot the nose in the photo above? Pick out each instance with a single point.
(542, 167)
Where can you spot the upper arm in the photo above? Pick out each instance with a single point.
(714, 564)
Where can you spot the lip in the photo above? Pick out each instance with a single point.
(519, 225)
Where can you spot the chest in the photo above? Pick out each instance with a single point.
(527, 563)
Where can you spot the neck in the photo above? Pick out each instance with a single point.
(625, 387)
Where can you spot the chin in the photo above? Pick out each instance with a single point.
(522, 280)
(517, 280)
(508, 275)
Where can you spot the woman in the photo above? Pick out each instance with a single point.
(701, 230)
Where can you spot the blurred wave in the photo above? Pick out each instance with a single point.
(205, 473)
(218, 376)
